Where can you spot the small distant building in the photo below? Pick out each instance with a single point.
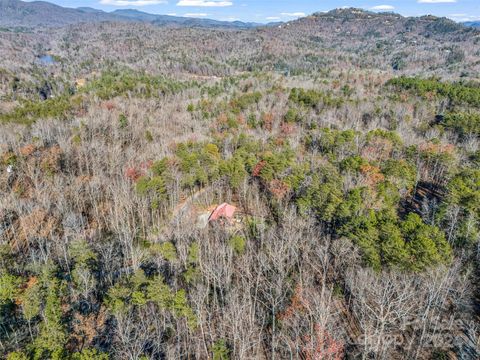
(223, 211)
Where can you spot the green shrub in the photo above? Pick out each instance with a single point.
(401, 173)
(52, 338)
(460, 212)
(387, 241)
(313, 98)
(275, 163)
(80, 252)
(220, 350)
(391, 136)
(192, 273)
(119, 83)
(234, 169)
(160, 167)
(242, 102)
(463, 124)
(17, 355)
(330, 141)
(175, 302)
(31, 299)
(117, 299)
(9, 159)
(426, 244)
(154, 185)
(199, 163)
(292, 116)
(9, 287)
(166, 250)
(148, 136)
(323, 195)
(352, 163)
(122, 121)
(254, 227)
(252, 121)
(458, 93)
(89, 354)
(238, 244)
(30, 111)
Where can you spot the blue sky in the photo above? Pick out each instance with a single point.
(283, 10)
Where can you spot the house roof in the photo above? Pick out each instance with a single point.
(223, 211)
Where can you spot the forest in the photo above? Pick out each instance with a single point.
(351, 158)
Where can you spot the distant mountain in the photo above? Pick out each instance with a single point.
(472, 24)
(177, 20)
(352, 22)
(136, 15)
(16, 13)
(209, 23)
(89, 10)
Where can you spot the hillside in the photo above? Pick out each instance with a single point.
(182, 21)
(473, 24)
(338, 40)
(309, 190)
(364, 23)
(16, 13)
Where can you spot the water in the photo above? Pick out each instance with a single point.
(46, 60)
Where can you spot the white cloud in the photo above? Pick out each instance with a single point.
(132, 2)
(195, 15)
(436, 1)
(294, 14)
(272, 18)
(205, 3)
(463, 17)
(383, 7)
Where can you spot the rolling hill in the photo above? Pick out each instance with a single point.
(15, 13)
(472, 24)
(156, 19)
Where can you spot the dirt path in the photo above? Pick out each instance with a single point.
(183, 207)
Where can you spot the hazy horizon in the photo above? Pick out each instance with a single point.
(264, 11)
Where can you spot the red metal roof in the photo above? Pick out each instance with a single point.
(222, 211)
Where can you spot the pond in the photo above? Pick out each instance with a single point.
(46, 59)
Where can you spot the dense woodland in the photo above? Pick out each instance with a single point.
(348, 141)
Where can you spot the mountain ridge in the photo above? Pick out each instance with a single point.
(475, 24)
(16, 13)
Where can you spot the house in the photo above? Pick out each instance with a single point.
(223, 211)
